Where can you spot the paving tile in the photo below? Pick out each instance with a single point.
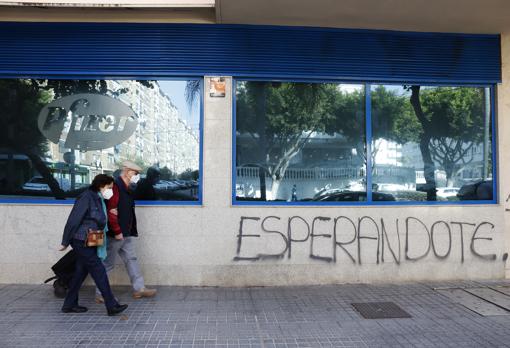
(283, 317)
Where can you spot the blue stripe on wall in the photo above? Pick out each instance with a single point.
(110, 50)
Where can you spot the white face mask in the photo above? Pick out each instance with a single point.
(135, 178)
(107, 193)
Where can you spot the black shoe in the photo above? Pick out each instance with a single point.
(75, 309)
(117, 309)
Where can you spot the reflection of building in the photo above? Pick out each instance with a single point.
(197, 247)
(387, 152)
(466, 170)
(162, 138)
(325, 161)
(333, 160)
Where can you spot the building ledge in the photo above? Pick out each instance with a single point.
(114, 3)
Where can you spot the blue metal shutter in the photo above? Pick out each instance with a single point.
(138, 50)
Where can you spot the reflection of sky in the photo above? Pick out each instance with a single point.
(397, 89)
(175, 90)
(348, 88)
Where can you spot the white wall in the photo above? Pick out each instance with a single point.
(198, 245)
(503, 129)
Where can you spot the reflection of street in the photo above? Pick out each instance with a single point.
(177, 189)
(37, 183)
(161, 139)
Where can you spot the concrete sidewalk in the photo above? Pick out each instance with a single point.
(311, 316)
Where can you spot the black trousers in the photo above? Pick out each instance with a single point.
(87, 262)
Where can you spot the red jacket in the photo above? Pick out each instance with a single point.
(113, 217)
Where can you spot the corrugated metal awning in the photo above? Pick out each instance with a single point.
(158, 50)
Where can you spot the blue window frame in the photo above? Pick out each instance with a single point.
(462, 150)
(150, 50)
(163, 135)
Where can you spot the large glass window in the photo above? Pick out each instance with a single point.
(300, 141)
(56, 135)
(432, 143)
(307, 142)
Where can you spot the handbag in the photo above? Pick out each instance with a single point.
(94, 238)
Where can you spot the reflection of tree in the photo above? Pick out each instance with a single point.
(20, 106)
(22, 101)
(189, 174)
(167, 174)
(446, 122)
(348, 118)
(429, 167)
(392, 119)
(192, 92)
(281, 118)
(450, 152)
(451, 121)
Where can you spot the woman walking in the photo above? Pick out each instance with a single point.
(89, 213)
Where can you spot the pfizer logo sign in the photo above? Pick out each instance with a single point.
(87, 121)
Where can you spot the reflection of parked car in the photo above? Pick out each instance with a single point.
(391, 187)
(352, 196)
(172, 185)
(447, 191)
(327, 192)
(37, 183)
(481, 190)
(184, 190)
(160, 185)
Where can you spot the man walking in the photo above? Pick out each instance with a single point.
(122, 230)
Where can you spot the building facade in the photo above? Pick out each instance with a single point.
(309, 149)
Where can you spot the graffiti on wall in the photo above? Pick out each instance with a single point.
(408, 239)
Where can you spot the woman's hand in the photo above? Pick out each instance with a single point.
(62, 248)
(119, 236)
(114, 211)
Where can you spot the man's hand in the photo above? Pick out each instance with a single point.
(114, 211)
(62, 248)
(119, 236)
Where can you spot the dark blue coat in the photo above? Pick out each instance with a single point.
(126, 208)
(87, 214)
